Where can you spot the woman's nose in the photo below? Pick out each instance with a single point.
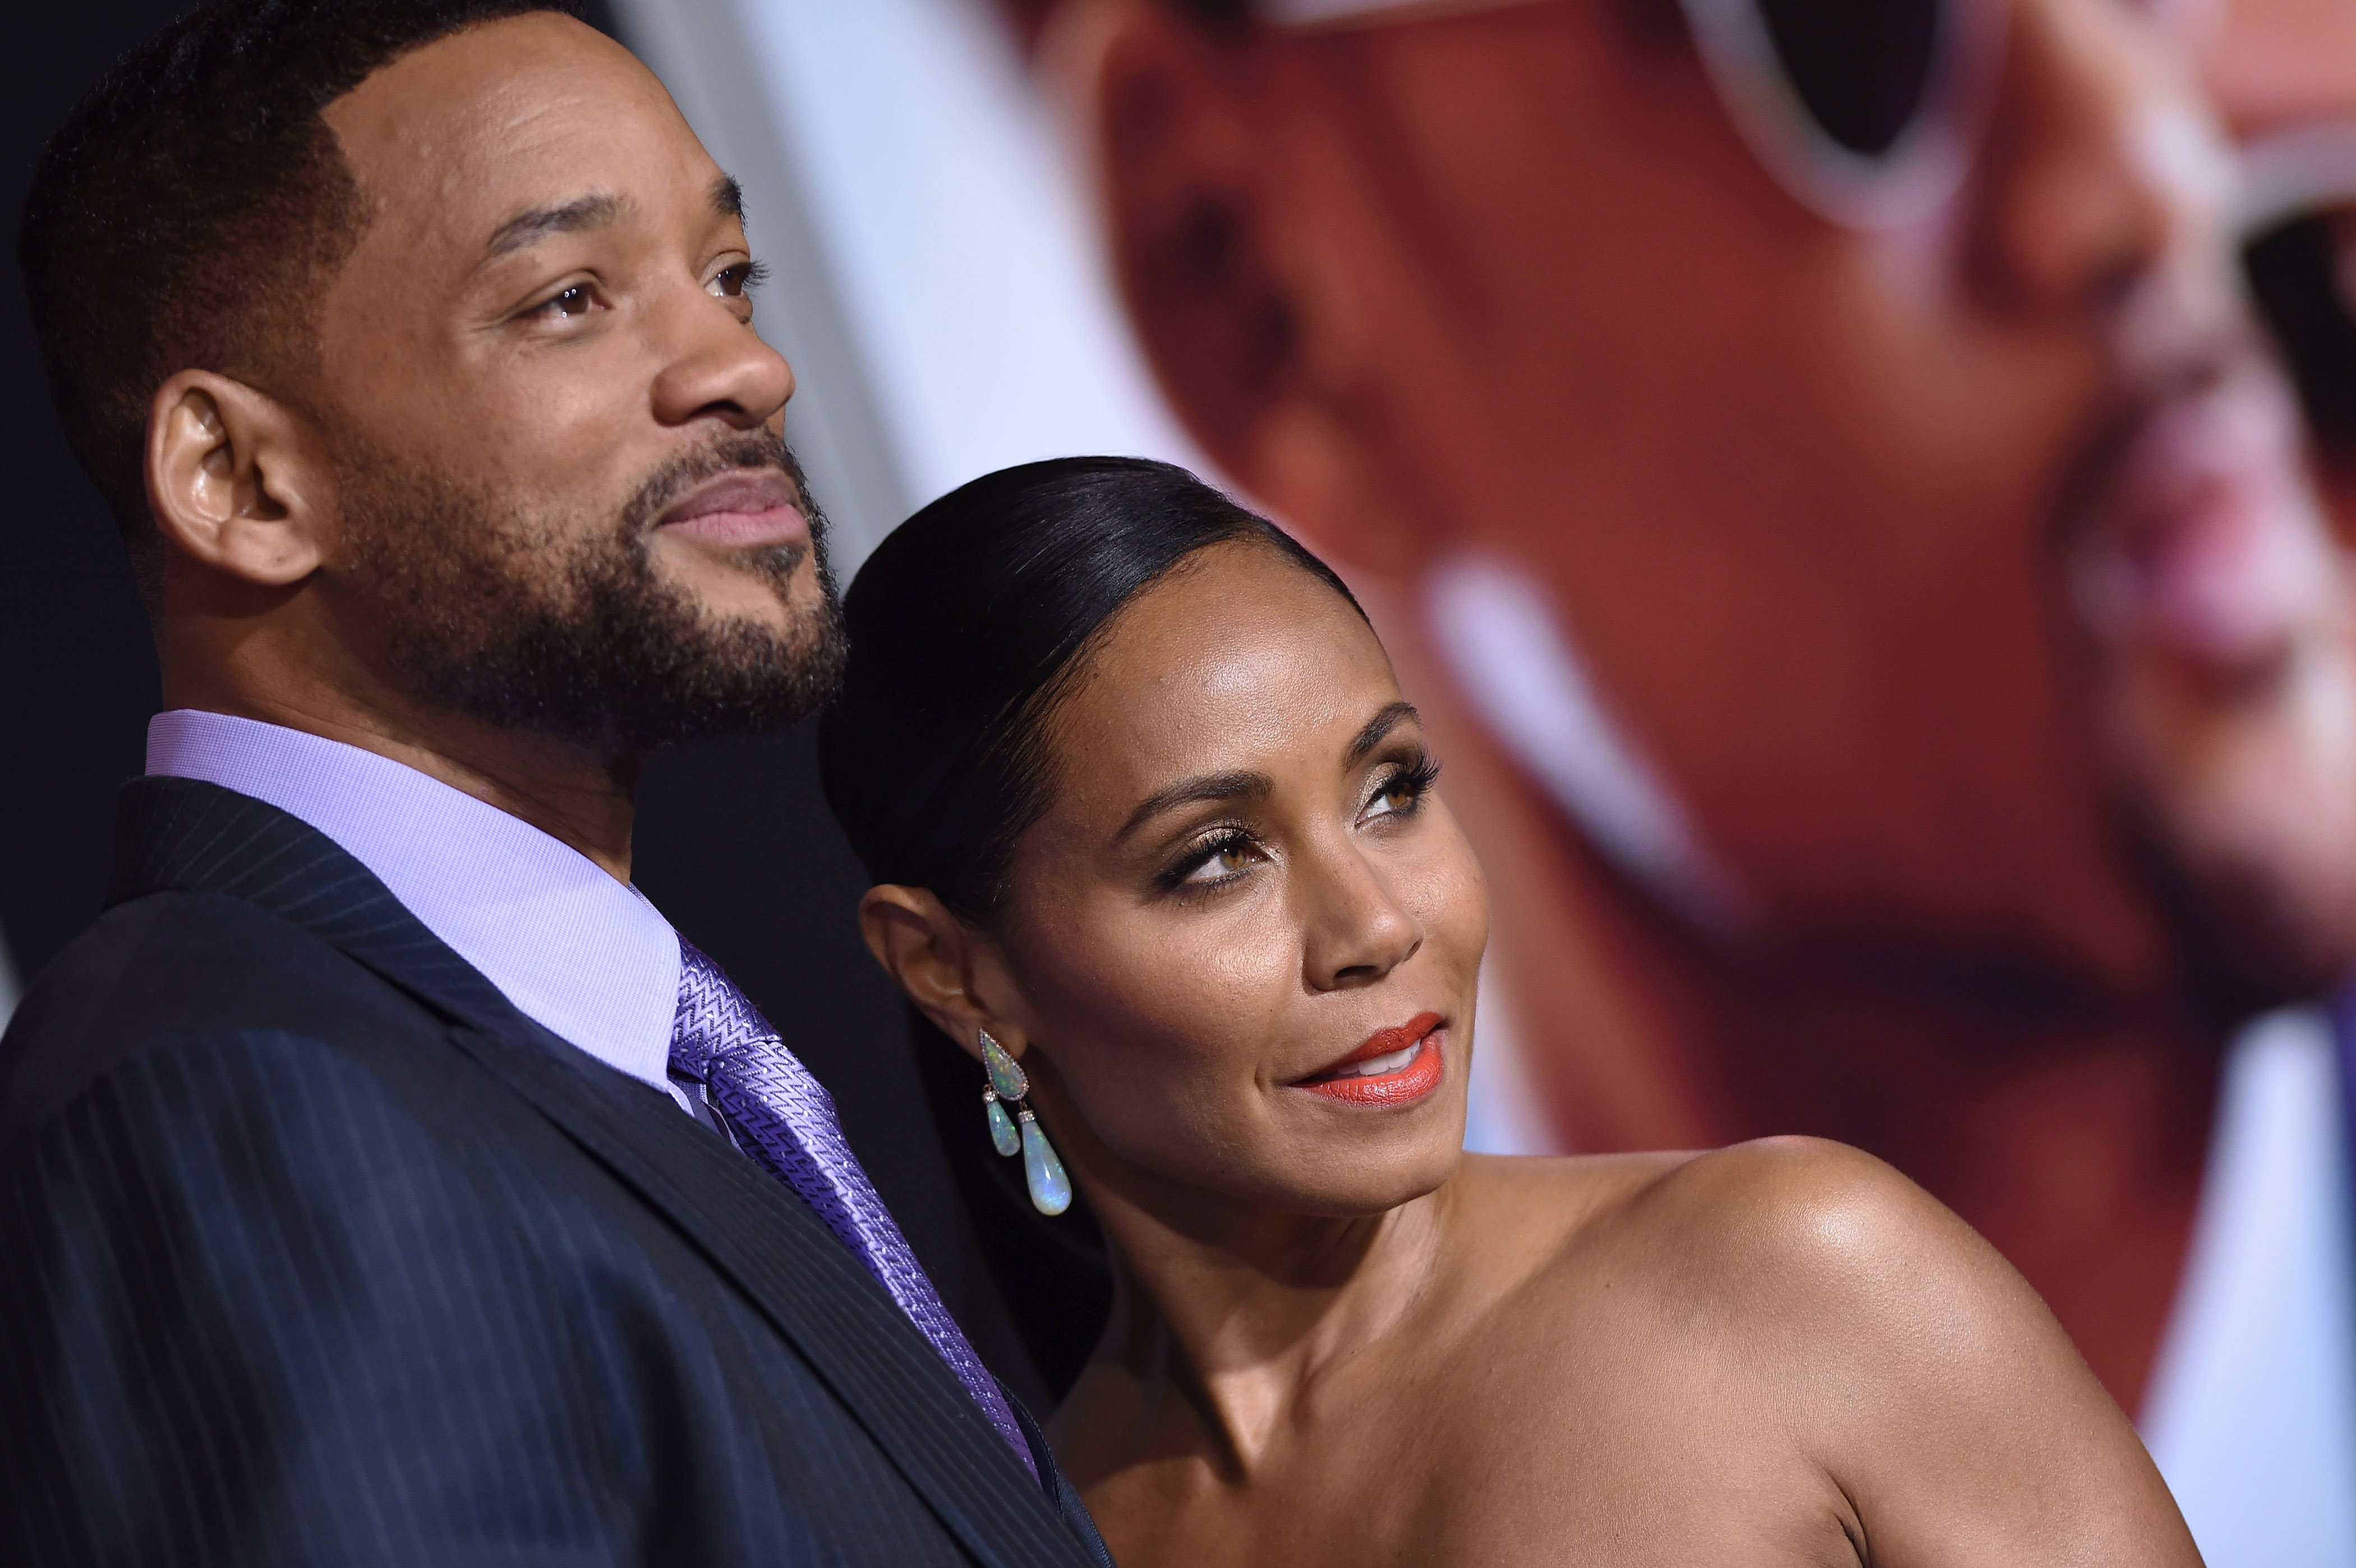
(1357, 927)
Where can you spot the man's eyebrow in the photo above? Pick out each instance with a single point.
(1389, 718)
(1239, 785)
(559, 217)
(728, 197)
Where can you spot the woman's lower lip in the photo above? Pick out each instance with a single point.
(1402, 1086)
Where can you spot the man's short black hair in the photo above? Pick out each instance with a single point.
(185, 214)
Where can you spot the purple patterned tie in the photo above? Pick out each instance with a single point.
(777, 1112)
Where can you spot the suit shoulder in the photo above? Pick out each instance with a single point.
(159, 972)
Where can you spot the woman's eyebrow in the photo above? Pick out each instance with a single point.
(1389, 718)
(1239, 785)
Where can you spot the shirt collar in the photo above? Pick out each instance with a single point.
(583, 955)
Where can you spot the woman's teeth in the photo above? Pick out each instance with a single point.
(1376, 1066)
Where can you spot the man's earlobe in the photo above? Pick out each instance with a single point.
(226, 481)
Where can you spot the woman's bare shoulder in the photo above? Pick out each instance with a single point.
(1798, 1222)
(1804, 1193)
(1861, 1316)
(1805, 1257)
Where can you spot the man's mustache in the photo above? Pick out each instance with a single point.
(729, 455)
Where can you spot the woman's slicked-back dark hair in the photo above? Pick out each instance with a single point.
(967, 627)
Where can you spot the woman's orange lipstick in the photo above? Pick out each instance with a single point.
(1416, 1074)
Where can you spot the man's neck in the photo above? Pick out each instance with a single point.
(2069, 1133)
(2073, 1140)
(579, 795)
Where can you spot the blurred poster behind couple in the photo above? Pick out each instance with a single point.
(1818, 474)
(2283, 74)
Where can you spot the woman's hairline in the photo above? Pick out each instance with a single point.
(1037, 722)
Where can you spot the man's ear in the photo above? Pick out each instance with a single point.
(1173, 132)
(1231, 201)
(228, 480)
(939, 962)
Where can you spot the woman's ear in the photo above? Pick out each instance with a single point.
(935, 958)
(228, 480)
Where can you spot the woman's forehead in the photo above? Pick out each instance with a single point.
(1240, 659)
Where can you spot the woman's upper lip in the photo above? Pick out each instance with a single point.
(1382, 1043)
(747, 491)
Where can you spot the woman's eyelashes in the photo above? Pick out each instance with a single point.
(1225, 852)
(1399, 788)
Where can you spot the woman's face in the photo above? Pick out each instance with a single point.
(1244, 938)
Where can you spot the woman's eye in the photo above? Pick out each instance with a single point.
(1402, 792)
(1219, 861)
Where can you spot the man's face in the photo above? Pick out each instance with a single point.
(563, 499)
(1958, 572)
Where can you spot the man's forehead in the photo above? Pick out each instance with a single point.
(474, 131)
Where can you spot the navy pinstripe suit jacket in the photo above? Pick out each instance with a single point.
(314, 1250)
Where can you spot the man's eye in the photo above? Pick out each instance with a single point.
(736, 282)
(578, 300)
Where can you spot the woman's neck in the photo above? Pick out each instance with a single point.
(1222, 1323)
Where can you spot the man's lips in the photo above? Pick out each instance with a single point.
(1394, 1066)
(2205, 540)
(742, 511)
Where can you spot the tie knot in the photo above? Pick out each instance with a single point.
(713, 1018)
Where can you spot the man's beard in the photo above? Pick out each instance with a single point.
(518, 618)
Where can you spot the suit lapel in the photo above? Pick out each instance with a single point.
(186, 835)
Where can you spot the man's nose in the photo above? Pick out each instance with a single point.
(1357, 927)
(2102, 162)
(715, 366)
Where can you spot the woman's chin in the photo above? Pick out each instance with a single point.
(1346, 1176)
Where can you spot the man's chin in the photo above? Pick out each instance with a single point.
(783, 583)
(633, 663)
(2253, 816)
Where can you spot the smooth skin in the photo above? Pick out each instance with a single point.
(562, 372)
(1338, 1339)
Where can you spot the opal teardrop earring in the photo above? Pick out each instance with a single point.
(1051, 1189)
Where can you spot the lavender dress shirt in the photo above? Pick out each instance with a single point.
(584, 956)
